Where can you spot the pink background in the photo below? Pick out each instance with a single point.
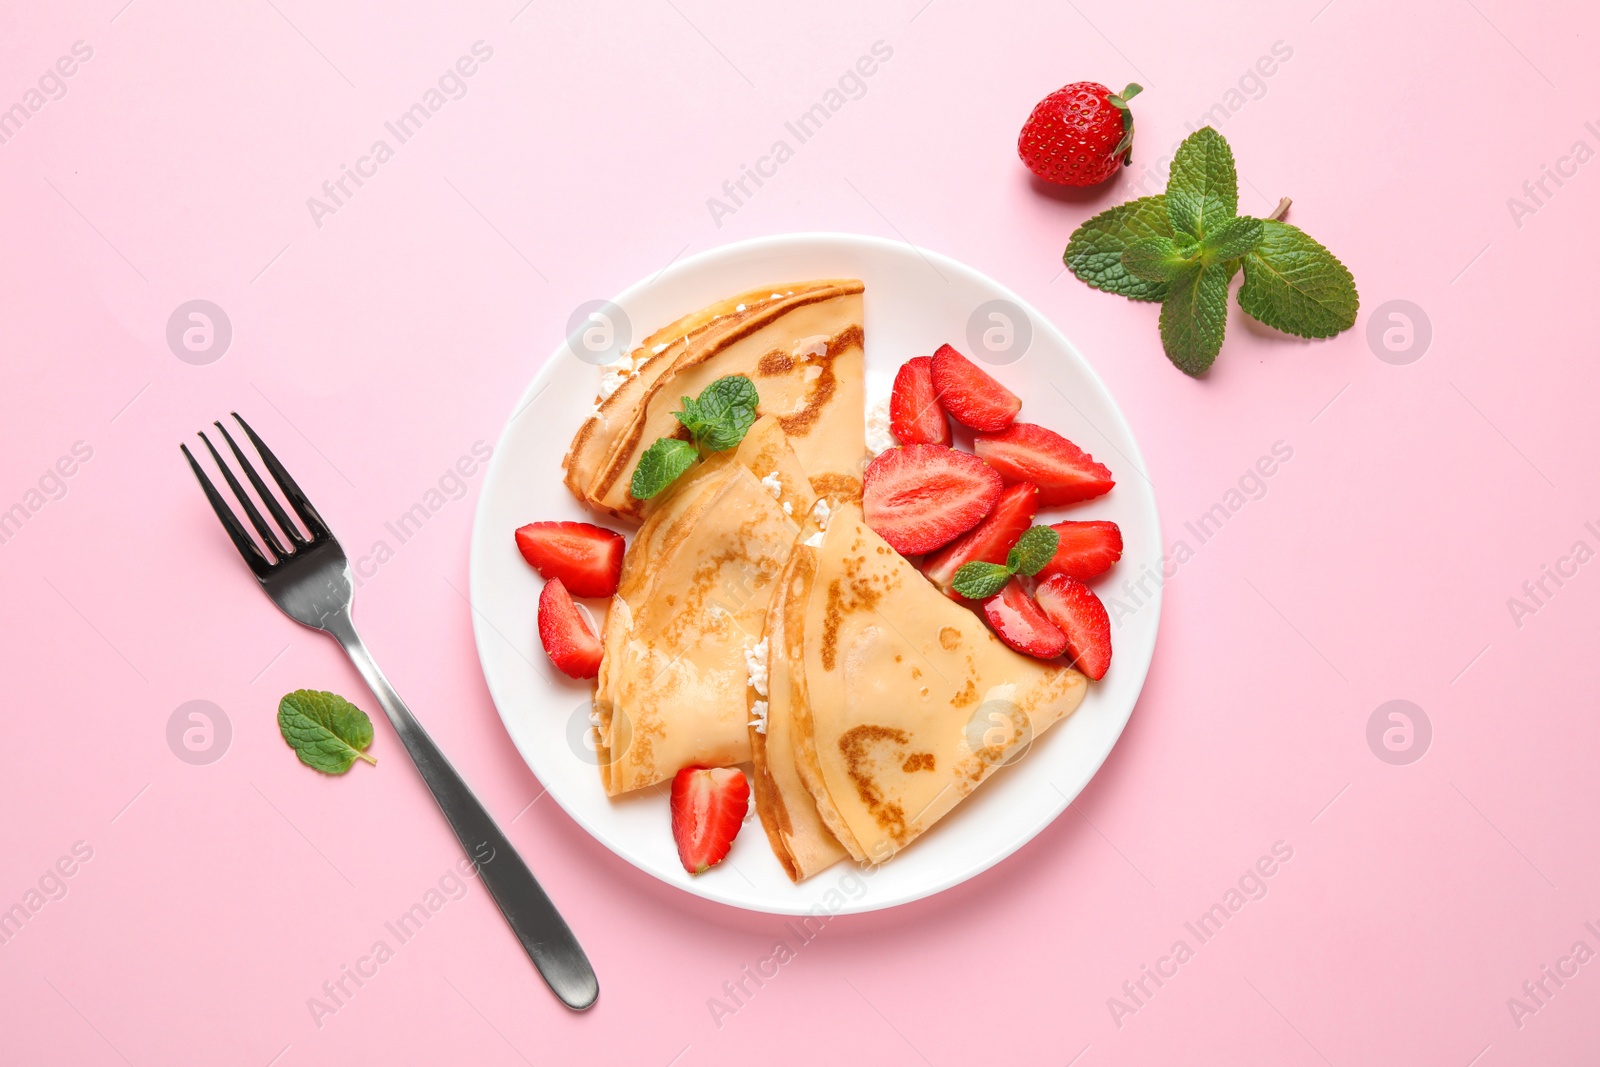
(376, 349)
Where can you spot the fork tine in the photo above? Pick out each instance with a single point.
(230, 522)
(256, 520)
(263, 492)
(297, 499)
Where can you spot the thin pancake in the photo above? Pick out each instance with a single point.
(654, 356)
(765, 452)
(674, 662)
(664, 531)
(804, 356)
(913, 702)
(796, 832)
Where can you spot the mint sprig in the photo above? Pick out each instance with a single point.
(1035, 548)
(325, 730)
(717, 420)
(1183, 248)
(723, 412)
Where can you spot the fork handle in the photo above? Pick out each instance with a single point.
(544, 934)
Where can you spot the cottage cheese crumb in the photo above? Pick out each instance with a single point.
(814, 541)
(822, 511)
(788, 509)
(617, 372)
(739, 308)
(755, 661)
(759, 710)
(774, 486)
(658, 349)
(879, 439)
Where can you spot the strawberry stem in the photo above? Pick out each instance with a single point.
(1280, 211)
(1120, 102)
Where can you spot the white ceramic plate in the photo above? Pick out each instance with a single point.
(915, 301)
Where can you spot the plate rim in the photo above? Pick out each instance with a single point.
(476, 565)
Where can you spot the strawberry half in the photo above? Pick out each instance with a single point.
(1078, 613)
(708, 807)
(585, 557)
(1085, 549)
(566, 637)
(1020, 623)
(1064, 473)
(987, 542)
(968, 393)
(915, 417)
(919, 497)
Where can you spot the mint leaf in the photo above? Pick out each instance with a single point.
(1195, 315)
(1035, 548)
(325, 730)
(1203, 190)
(1094, 253)
(722, 414)
(727, 409)
(1293, 284)
(979, 581)
(1232, 241)
(660, 466)
(1154, 259)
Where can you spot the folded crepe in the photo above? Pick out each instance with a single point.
(802, 350)
(689, 611)
(797, 834)
(911, 701)
(629, 380)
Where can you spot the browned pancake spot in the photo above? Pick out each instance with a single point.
(918, 761)
(839, 487)
(855, 745)
(859, 596)
(967, 695)
(773, 364)
(820, 391)
(949, 638)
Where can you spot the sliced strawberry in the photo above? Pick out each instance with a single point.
(919, 497)
(969, 394)
(1074, 608)
(708, 807)
(987, 542)
(587, 558)
(915, 417)
(566, 637)
(1064, 473)
(1085, 549)
(1020, 623)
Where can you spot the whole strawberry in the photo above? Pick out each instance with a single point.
(1079, 134)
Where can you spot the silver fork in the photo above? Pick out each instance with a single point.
(309, 580)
